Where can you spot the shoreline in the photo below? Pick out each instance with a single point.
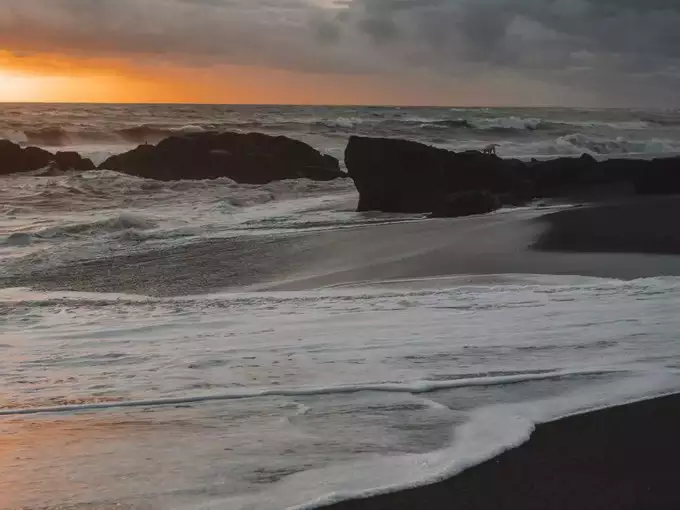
(625, 240)
(622, 457)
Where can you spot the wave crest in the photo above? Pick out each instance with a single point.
(117, 223)
(452, 123)
(605, 146)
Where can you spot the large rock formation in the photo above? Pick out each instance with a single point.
(659, 176)
(401, 176)
(251, 158)
(14, 159)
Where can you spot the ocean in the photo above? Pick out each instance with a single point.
(164, 385)
(520, 132)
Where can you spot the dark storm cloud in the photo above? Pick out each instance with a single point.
(615, 48)
(516, 32)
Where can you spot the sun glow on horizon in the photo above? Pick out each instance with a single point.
(20, 87)
(17, 86)
(58, 78)
(48, 78)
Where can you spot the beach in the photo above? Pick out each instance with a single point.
(378, 293)
(339, 254)
(210, 344)
(627, 240)
(623, 457)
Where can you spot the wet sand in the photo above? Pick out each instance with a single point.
(633, 226)
(623, 458)
(628, 240)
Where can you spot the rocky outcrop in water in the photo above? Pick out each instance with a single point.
(251, 158)
(394, 175)
(15, 159)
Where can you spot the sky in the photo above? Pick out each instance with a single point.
(418, 52)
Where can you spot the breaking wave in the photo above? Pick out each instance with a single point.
(663, 119)
(100, 187)
(81, 135)
(116, 224)
(108, 210)
(88, 134)
(579, 142)
(125, 221)
(575, 144)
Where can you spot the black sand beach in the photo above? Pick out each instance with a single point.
(623, 458)
(640, 225)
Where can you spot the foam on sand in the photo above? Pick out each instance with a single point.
(488, 432)
(590, 460)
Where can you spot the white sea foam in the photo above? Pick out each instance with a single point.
(98, 131)
(575, 144)
(401, 384)
(114, 224)
(509, 123)
(617, 146)
(49, 220)
(414, 388)
(489, 432)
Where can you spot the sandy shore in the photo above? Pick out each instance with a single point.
(632, 226)
(634, 239)
(623, 458)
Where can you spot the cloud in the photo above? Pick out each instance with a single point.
(620, 50)
(612, 51)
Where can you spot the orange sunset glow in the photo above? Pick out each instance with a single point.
(56, 78)
(18, 87)
(334, 52)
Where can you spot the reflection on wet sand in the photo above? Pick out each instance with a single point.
(47, 460)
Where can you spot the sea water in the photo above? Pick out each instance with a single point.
(282, 400)
(98, 130)
(274, 400)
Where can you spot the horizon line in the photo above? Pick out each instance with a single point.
(337, 105)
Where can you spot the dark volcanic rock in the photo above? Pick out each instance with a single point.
(564, 177)
(466, 203)
(251, 158)
(560, 176)
(14, 158)
(656, 177)
(402, 176)
(73, 161)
